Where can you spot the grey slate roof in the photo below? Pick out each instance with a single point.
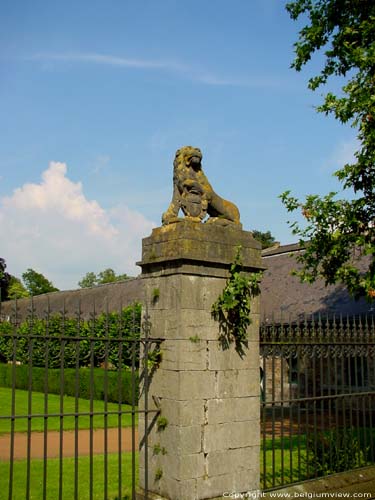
(285, 297)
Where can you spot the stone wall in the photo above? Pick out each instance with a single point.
(111, 297)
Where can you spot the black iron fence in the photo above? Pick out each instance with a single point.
(69, 389)
(317, 398)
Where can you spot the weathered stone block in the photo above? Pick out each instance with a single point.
(200, 292)
(163, 293)
(181, 490)
(237, 460)
(238, 383)
(217, 486)
(180, 441)
(183, 385)
(232, 410)
(229, 359)
(245, 482)
(183, 413)
(253, 331)
(199, 323)
(221, 437)
(184, 355)
(184, 467)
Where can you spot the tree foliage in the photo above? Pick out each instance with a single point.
(4, 280)
(106, 276)
(16, 289)
(265, 238)
(36, 283)
(341, 231)
(88, 280)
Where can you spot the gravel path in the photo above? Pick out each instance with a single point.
(53, 443)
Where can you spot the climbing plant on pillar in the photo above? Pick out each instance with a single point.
(232, 308)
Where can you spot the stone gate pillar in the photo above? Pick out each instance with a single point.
(208, 397)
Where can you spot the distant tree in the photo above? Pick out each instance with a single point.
(266, 238)
(106, 276)
(36, 283)
(88, 280)
(16, 289)
(4, 280)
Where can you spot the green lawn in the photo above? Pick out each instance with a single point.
(84, 480)
(287, 460)
(69, 404)
(283, 462)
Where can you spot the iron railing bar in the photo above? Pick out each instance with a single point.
(373, 379)
(81, 414)
(363, 408)
(370, 407)
(133, 387)
(299, 412)
(293, 342)
(336, 394)
(146, 382)
(356, 381)
(291, 416)
(29, 410)
(370, 411)
(344, 400)
(323, 343)
(62, 382)
(13, 415)
(282, 418)
(329, 406)
(106, 361)
(318, 398)
(45, 423)
(264, 398)
(273, 420)
(314, 413)
(119, 421)
(91, 430)
(322, 412)
(76, 420)
(307, 422)
(105, 340)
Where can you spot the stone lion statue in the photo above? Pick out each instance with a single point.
(193, 194)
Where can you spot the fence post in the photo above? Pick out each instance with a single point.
(205, 442)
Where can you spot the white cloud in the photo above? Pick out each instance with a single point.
(187, 71)
(53, 228)
(109, 60)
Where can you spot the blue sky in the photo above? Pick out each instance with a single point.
(96, 96)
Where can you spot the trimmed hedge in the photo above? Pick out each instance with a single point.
(113, 380)
(83, 342)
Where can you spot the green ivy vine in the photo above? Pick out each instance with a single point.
(232, 308)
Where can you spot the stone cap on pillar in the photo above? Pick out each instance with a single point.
(187, 246)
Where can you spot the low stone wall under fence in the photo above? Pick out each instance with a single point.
(101, 298)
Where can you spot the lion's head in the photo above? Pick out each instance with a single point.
(188, 156)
